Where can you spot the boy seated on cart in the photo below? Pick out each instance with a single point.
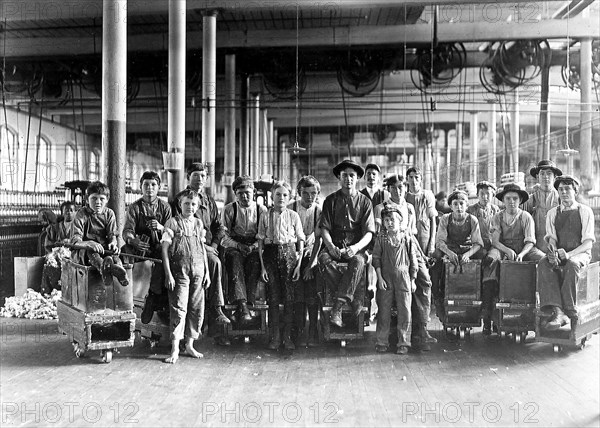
(240, 219)
(186, 274)
(513, 238)
(458, 239)
(570, 235)
(95, 232)
(57, 234)
(144, 225)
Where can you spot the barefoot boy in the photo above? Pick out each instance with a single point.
(185, 263)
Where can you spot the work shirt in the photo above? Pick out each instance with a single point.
(280, 228)
(347, 218)
(538, 205)
(139, 212)
(57, 233)
(587, 222)
(309, 217)
(424, 203)
(376, 196)
(516, 234)
(245, 227)
(484, 217)
(89, 226)
(208, 212)
(447, 221)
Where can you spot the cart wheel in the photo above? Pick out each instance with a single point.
(246, 339)
(107, 356)
(523, 336)
(343, 343)
(461, 333)
(517, 337)
(557, 348)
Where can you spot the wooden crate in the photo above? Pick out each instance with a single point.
(459, 315)
(82, 288)
(517, 282)
(28, 274)
(588, 286)
(463, 283)
(354, 327)
(96, 331)
(257, 327)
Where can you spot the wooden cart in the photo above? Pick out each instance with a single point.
(462, 298)
(589, 314)
(516, 299)
(92, 315)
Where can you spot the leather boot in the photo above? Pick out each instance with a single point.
(119, 272)
(107, 275)
(246, 317)
(336, 313)
(220, 317)
(557, 319)
(275, 342)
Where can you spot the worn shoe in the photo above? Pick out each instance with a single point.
(402, 350)
(119, 272)
(246, 316)
(336, 314)
(148, 311)
(222, 341)
(428, 338)
(572, 314)
(556, 320)
(220, 316)
(381, 348)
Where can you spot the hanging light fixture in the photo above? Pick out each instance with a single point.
(295, 148)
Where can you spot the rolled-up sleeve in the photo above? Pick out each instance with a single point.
(528, 227)
(130, 221)
(297, 226)
(327, 213)
(441, 236)
(262, 227)
(169, 231)
(587, 224)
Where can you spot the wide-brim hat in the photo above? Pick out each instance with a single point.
(566, 178)
(513, 187)
(348, 163)
(458, 194)
(545, 164)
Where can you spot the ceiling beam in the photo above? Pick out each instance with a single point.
(27, 10)
(577, 28)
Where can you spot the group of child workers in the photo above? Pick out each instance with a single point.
(393, 228)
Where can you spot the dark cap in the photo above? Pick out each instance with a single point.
(458, 194)
(242, 181)
(545, 164)
(348, 163)
(373, 166)
(486, 185)
(567, 179)
(513, 187)
(196, 166)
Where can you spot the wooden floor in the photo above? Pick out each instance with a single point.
(478, 383)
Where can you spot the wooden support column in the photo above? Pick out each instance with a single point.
(114, 104)
(209, 93)
(585, 133)
(544, 125)
(270, 147)
(254, 135)
(493, 142)
(176, 95)
(264, 141)
(474, 154)
(244, 157)
(229, 153)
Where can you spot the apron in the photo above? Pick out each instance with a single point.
(513, 235)
(568, 229)
(459, 236)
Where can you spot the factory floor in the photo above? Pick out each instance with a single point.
(478, 382)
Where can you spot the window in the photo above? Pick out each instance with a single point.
(8, 159)
(71, 172)
(94, 167)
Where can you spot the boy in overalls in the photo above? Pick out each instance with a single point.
(570, 235)
(513, 238)
(185, 263)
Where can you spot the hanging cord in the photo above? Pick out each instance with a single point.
(29, 112)
(159, 115)
(76, 166)
(85, 150)
(39, 138)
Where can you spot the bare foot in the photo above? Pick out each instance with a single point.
(173, 358)
(189, 350)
